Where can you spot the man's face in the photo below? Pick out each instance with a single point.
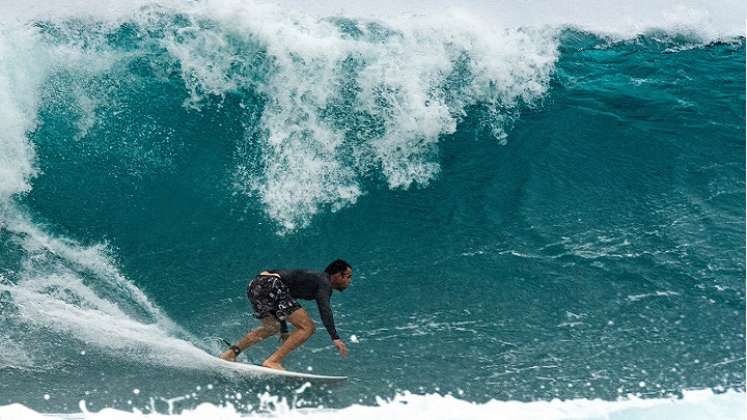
(342, 280)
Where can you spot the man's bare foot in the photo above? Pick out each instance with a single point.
(228, 355)
(273, 365)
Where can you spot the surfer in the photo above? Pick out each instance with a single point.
(273, 295)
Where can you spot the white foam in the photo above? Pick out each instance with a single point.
(78, 292)
(25, 64)
(19, 97)
(708, 19)
(700, 405)
(308, 162)
(15, 12)
(13, 354)
(724, 18)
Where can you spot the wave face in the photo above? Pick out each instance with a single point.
(532, 212)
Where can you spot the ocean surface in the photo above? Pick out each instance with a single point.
(545, 219)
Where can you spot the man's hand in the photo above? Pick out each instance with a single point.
(284, 336)
(341, 347)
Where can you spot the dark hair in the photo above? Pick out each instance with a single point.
(337, 266)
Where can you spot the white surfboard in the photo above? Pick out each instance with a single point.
(261, 371)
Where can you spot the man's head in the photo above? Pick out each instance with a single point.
(340, 274)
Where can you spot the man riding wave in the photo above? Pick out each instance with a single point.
(273, 293)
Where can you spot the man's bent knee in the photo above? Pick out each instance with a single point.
(307, 324)
(301, 320)
(308, 328)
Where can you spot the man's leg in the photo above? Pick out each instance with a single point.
(304, 329)
(270, 326)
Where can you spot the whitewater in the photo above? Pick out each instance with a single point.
(543, 204)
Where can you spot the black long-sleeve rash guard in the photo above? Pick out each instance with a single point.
(310, 285)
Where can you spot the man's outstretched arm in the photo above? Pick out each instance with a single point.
(325, 312)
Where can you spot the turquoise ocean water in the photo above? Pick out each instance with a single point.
(531, 213)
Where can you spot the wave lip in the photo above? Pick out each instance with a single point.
(353, 99)
(346, 99)
(19, 97)
(343, 100)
